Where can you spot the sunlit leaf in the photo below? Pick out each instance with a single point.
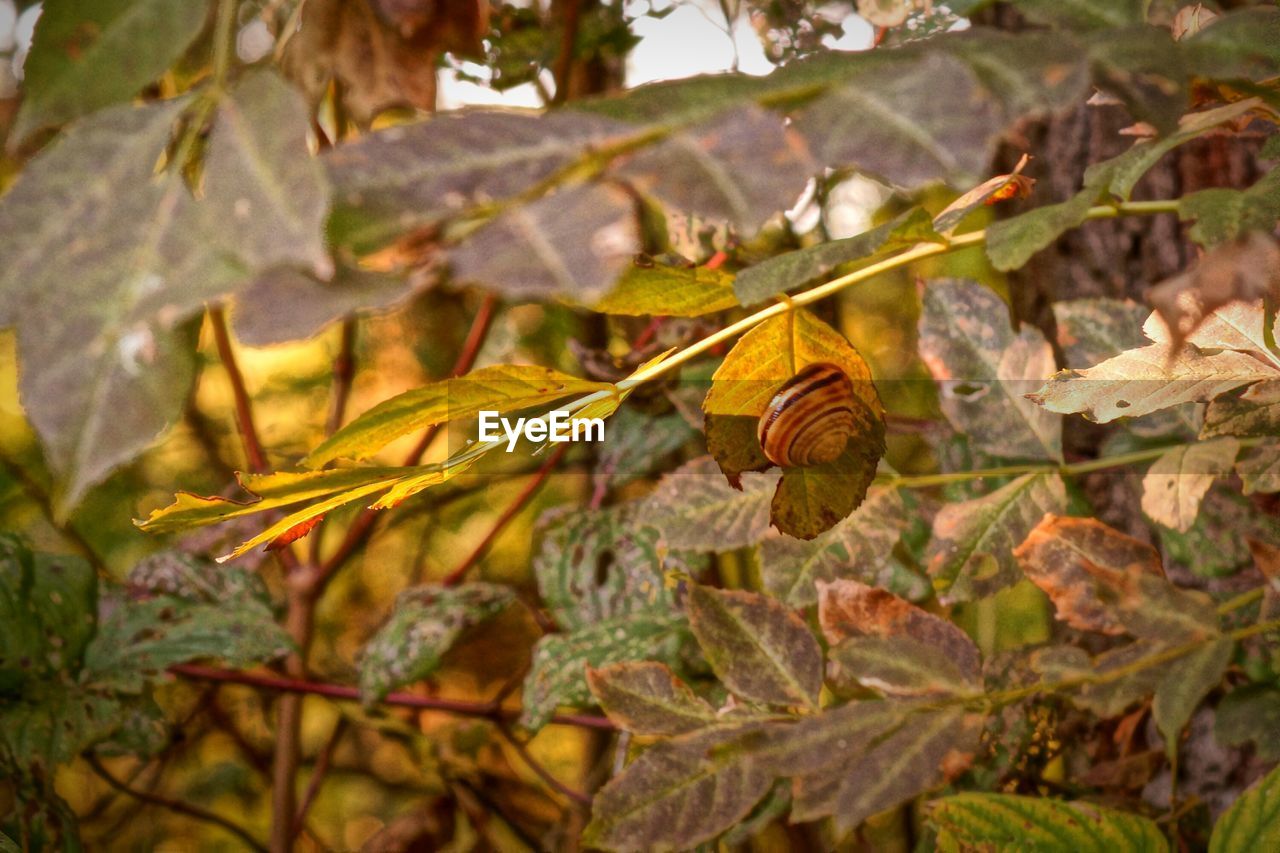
(1146, 380)
(669, 291)
(758, 647)
(646, 698)
(500, 388)
(1006, 821)
(986, 371)
(1175, 483)
(970, 552)
(425, 623)
(85, 56)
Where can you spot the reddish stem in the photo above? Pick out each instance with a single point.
(257, 457)
(342, 692)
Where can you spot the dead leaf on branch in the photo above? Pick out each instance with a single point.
(1245, 270)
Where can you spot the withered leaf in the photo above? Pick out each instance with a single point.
(1080, 563)
(1175, 483)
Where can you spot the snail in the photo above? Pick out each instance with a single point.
(810, 419)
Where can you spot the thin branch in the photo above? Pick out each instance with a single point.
(360, 529)
(344, 371)
(323, 761)
(253, 451)
(178, 806)
(532, 763)
(513, 509)
(341, 692)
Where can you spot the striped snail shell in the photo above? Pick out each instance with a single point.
(810, 419)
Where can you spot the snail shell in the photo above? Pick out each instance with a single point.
(810, 419)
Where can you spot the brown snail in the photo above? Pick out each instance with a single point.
(810, 419)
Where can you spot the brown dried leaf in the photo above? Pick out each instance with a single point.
(1176, 482)
(847, 608)
(1075, 560)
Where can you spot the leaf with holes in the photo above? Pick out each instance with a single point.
(758, 647)
(1146, 380)
(595, 565)
(1175, 483)
(970, 552)
(425, 623)
(646, 698)
(986, 371)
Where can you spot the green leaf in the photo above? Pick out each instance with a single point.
(1250, 713)
(648, 288)
(646, 698)
(1146, 380)
(680, 792)
(1175, 483)
(51, 724)
(595, 565)
(1185, 684)
(1253, 821)
(970, 554)
(47, 608)
(1259, 468)
(573, 244)
(1012, 242)
(1008, 822)
(108, 272)
(757, 646)
(788, 271)
(270, 491)
(85, 56)
(1224, 214)
(811, 500)
(178, 609)
(986, 371)
(694, 509)
(1217, 544)
(502, 388)
(403, 178)
(558, 676)
(859, 547)
(425, 623)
